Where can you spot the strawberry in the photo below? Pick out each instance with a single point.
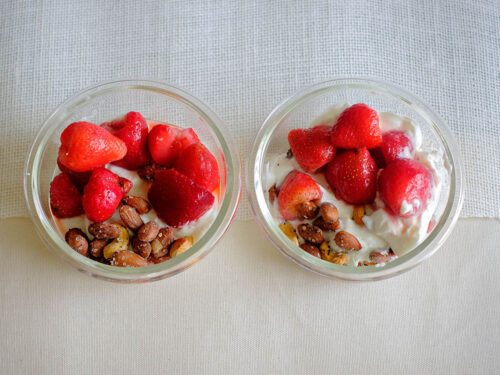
(133, 130)
(297, 188)
(197, 163)
(395, 145)
(86, 146)
(352, 175)
(79, 179)
(177, 199)
(102, 195)
(166, 142)
(65, 199)
(357, 127)
(312, 148)
(405, 186)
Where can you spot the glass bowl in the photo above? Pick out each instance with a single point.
(299, 111)
(156, 101)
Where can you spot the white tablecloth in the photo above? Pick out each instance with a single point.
(245, 308)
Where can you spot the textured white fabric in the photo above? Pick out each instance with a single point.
(244, 57)
(245, 309)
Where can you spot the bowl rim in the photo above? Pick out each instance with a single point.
(424, 250)
(221, 223)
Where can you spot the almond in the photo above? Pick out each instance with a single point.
(289, 231)
(329, 212)
(126, 258)
(180, 246)
(357, 215)
(104, 231)
(382, 256)
(142, 248)
(159, 246)
(273, 193)
(130, 217)
(148, 232)
(347, 241)
(310, 233)
(160, 260)
(140, 204)
(77, 240)
(325, 225)
(307, 210)
(311, 249)
(96, 246)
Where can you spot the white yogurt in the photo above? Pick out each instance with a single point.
(382, 230)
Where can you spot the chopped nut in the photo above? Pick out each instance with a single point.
(180, 246)
(329, 212)
(126, 258)
(160, 260)
(96, 246)
(307, 210)
(130, 217)
(325, 225)
(118, 244)
(148, 231)
(366, 263)
(148, 171)
(104, 231)
(77, 240)
(332, 256)
(273, 193)
(140, 204)
(310, 233)
(289, 231)
(357, 215)
(142, 248)
(311, 249)
(347, 241)
(382, 256)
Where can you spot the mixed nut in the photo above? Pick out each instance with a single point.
(112, 243)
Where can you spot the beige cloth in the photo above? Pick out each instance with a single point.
(246, 309)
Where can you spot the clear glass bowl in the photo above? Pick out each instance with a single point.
(299, 111)
(156, 101)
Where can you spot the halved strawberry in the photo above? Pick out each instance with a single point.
(86, 146)
(102, 195)
(166, 142)
(177, 199)
(352, 175)
(357, 127)
(65, 199)
(297, 188)
(395, 145)
(312, 148)
(405, 187)
(133, 130)
(197, 163)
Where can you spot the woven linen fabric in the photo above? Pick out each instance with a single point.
(244, 57)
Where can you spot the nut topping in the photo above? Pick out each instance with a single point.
(310, 233)
(77, 240)
(332, 256)
(347, 241)
(142, 248)
(307, 210)
(130, 217)
(160, 244)
(148, 232)
(382, 256)
(96, 246)
(357, 215)
(180, 246)
(273, 193)
(325, 225)
(126, 258)
(140, 204)
(311, 249)
(329, 212)
(119, 243)
(289, 231)
(104, 231)
(148, 171)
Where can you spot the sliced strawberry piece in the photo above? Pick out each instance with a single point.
(79, 179)
(312, 148)
(405, 187)
(65, 199)
(102, 195)
(86, 146)
(297, 188)
(166, 142)
(125, 185)
(352, 175)
(197, 163)
(177, 199)
(133, 130)
(357, 127)
(396, 145)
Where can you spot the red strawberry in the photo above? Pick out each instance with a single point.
(79, 179)
(312, 148)
(166, 142)
(352, 175)
(357, 127)
(86, 146)
(197, 163)
(297, 188)
(65, 199)
(102, 195)
(133, 130)
(177, 199)
(405, 186)
(125, 185)
(395, 145)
